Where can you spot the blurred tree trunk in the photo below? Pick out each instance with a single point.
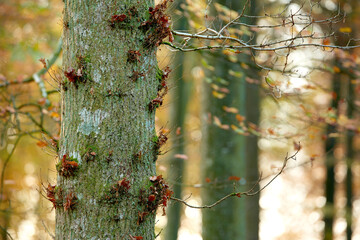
(180, 97)
(106, 121)
(343, 101)
(226, 153)
(351, 113)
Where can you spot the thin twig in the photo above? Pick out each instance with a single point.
(6, 163)
(47, 230)
(41, 72)
(248, 193)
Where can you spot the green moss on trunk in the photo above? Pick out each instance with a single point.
(109, 112)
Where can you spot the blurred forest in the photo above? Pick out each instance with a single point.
(234, 116)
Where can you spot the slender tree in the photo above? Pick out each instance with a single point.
(226, 153)
(343, 101)
(180, 96)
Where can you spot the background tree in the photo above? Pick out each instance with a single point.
(180, 97)
(228, 156)
(339, 150)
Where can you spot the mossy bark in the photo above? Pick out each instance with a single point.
(106, 113)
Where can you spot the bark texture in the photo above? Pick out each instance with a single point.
(106, 113)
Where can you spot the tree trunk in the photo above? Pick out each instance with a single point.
(180, 99)
(343, 90)
(107, 126)
(225, 153)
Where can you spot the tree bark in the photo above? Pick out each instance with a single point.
(107, 126)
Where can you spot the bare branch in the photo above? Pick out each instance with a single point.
(248, 193)
(36, 76)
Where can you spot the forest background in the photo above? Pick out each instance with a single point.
(317, 109)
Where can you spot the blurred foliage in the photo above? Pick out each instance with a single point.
(29, 30)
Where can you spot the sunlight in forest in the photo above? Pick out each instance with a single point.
(272, 87)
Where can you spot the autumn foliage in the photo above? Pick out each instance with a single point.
(158, 25)
(117, 190)
(67, 166)
(159, 195)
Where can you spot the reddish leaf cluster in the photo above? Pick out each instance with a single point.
(136, 237)
(133, 56)
(117, 18)
(158, 24)
(161, 140)
(155, 103)
(67, 167)
(162, 79)
(122, 20)
(234, 178)
(70, 201)
(117, 190)
(163, 89)
(50, 194)
(159, 196)
(73, 75)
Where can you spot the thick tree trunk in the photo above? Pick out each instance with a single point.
(107, 126)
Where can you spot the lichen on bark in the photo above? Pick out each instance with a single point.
(120, 124)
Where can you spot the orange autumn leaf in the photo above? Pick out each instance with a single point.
(164, 131)
(41, 144)
(313, 157)
(54, 115)
(230, 109)
(208, 180)
(345, 30)
(240, 118)
(271, 131)
(178, 131)
(235, 178)
(326, 42)
(336, 69)
(244, 66)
